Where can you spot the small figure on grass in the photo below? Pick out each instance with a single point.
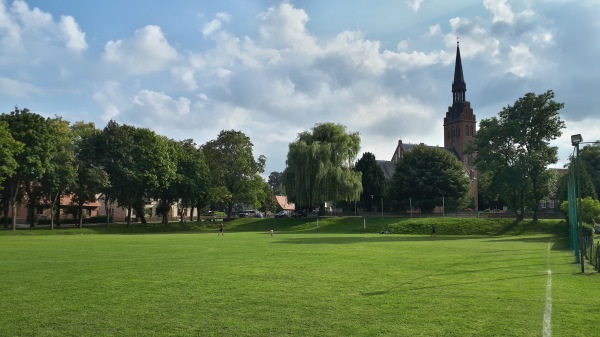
(221, 230)
(271, 232)
(433, 229)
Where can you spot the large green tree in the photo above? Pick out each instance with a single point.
(514, 148)
(319, 166)
(234, 170)
(191, 181)
(137, 161)
(61, 172)
(90, 178)
(586, 183)
(36, 133)
(193, 176)
(9, 149)
(429, 176)
(590, 159)
(373, 180)
(276, 183)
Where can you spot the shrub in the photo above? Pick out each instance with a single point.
(590, 210)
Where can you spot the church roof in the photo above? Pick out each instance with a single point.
(387, 167)
(458, 71)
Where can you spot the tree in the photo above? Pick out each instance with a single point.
(514, 148)
(35, 133)
(234, 171)
(373, 180)
(585, 183)
(590, 210)
(9, 149)
(137, 161)
(90, 178)
(190, 183)
(276, 183)
(193, 176)
(319, 166)
(61, 172)
(590, 159)
(428, 174)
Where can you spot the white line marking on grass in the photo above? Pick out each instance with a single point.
(547, 331)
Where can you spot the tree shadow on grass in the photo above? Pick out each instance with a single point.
(557, 242)
(337, 240)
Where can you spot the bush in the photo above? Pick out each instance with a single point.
(590, 209)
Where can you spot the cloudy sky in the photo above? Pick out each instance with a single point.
(272, 68)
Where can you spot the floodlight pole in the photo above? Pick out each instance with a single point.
(579, 220)
(575, 141)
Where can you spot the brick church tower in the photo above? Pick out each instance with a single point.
(460, 124)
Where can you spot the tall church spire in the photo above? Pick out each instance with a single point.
(459, 87)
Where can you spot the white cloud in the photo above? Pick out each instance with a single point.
(211, 27)
(24, 30)
(146, 52)
(475, 40)
(160, 107)
(110, 98)
(415, 5)
(10, 37)
(522, 60)
(500, 9)
(11, 87)
(434, 30)
(31, 20)
(186, 76)
(74, 37)
(362, 53)
(284, 26)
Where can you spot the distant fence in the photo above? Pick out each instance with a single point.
(591, 251)
(489, 215)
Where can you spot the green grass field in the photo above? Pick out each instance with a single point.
(338, 282)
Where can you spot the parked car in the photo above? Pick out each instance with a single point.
(299, 214)
(282, 214)
(246, 214)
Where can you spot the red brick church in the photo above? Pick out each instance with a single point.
(460, 126)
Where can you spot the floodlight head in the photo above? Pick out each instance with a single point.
(576, 139)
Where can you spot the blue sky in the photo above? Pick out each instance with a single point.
(272, 69)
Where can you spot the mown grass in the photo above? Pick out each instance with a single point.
(183, 280)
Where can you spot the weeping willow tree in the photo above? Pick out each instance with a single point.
(319, 166)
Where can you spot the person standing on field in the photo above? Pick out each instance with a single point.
(433, 229)
(221, 229)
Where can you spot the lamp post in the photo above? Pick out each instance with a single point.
(382, 207)
(372, 209)
(575, 141)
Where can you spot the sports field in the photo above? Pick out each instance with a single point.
(296, 283)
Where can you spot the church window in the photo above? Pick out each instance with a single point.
(453, 132)
(458, 132)
(447, 132)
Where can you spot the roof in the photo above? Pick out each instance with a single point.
(387, 167)
(282, 201)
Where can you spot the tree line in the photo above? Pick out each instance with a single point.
(42, 159)
(511, 152)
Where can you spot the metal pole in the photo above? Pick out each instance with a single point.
(382, 207)
(410, 203)
(579, 220)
